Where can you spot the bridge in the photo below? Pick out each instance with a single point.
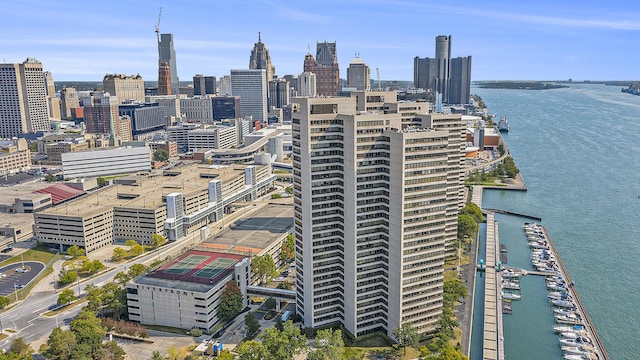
(507, 212)
(278, 294)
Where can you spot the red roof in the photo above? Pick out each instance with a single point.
(61, 192)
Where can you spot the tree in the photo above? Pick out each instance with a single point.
(225, 355)
(33, 147)
(137, 249)
(92, 267)
(20, 349)
(112, 351)
(60, 344)
(94, 298)
(66, 296)
(114, 299)
(160, 155)
(75, 251)
(467, 226)
(231, 301)
(158, 240)
(121, 278)
(253, 350)
(177, 353)
(101, 182)
(406, 335)
(156, 355)
(136, 270)
(330, 344)
(253, 325)
(50, 178)
(4, 301)
(288, 190)
(89, 333)
(473, 210)
(118, 254)
(284, 344)
(287, 252)
(264, 267)
(270, 303)
(67, 277)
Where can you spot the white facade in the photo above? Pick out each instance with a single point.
(124, 160)
(307, 84)
(198, 109)
(358, 75)
(251, 86)
(373, 202)
(219, 137)
(23, 99)
(225, 86)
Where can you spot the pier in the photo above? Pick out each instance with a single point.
(507, 212)
(578, 302)
(492, 339)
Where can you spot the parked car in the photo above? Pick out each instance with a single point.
(19, 286)
(3, 275)
(22, 270)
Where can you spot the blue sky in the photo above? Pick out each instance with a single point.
(536, 40)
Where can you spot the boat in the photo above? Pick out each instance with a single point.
(508, 274)
(563, 303)
(511, 296)
(503, 124)
(511, 285)
(581, 340)
(581, 357)
(564, 328)
(568, 320)
(563, 312)
(572, 334)
(555, 286)
(580, 350)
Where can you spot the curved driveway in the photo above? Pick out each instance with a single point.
(10, 278)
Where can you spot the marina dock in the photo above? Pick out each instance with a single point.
(597, 342)
(493, 337)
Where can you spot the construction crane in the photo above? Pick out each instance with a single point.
(158, 25)
(378, 74)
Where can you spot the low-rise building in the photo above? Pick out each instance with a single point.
(14, 156)
(218, 137)
(104, 162)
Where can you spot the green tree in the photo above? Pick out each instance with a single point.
(94, 298)
(60, 344)
(121, 278)
(136, 270)
(473, 210)
(264, 267)
(75, 251)
(114, 299)
(20, 350)
(284, 344)
(406, 335)
(467, 226)
(330, 344)
(253, 325)
(225, 355)
(137, 249)
(118, 254)
(67, 277)
(160, 155)
(288, 190)
(231, 301)
(101, 182)
(270, 303)
(65, 297)
(4, 301)
(156, 355)
(92, 267)
(89, 333)
(33, 147)
(112, 351)
(50, 178)
(158, 240)
(287, 252)
(253, 350)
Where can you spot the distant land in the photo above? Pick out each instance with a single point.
(519, 85)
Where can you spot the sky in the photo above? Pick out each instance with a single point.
(508, 40)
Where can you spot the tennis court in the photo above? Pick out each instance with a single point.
(186, 264)
(213, 268)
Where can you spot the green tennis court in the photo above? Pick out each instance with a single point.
(214, 268)
(183, 266)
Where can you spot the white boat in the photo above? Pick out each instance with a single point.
(556, 287)
(563, 303)
(564, 312)
(579, 350)
(573, 334)
(564, 328)
(507, 274)
(538, 245)
(568, 320)
(511, 285)
(580, 357)
(511, 296)
(581, 340)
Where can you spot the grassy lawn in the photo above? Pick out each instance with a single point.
(3, 336)
(35, 254)
(168, 329)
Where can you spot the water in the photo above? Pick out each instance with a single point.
(578, 150)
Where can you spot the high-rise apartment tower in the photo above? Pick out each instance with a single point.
(166, 53)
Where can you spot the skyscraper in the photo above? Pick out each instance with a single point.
(166, 53)
(99, 117)
(307, 84)
(443, 58)
(23, 99)
(279, 93)
(251, 86)
(375, 205)
(460, 85)
(260, 59)
(164, 79)
(450, 78)
(53, 103)
(326, 68)
(358, 74)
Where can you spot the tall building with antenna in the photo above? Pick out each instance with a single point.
(260, 59)
(166, 53)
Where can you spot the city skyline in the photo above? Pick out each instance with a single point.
(529, 41)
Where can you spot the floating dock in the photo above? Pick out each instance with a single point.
(493, 336)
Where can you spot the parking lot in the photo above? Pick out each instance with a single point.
(12, 278)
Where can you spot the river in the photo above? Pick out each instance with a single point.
(578, 150)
